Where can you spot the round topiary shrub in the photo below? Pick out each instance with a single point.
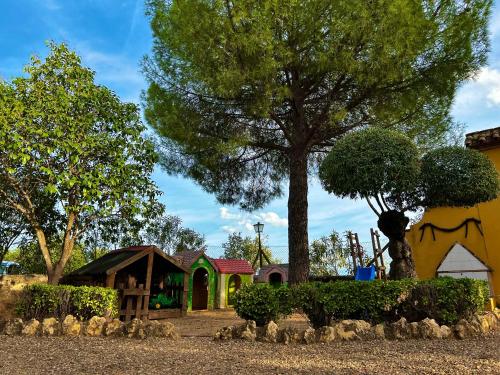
(262, 303)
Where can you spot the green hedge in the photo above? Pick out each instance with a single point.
(262, 303)
(446, 300)
(39, 301)
(337, 300)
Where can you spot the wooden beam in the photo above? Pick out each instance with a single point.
(110, 280)
(185, 294)
(149, 273)
(128, 261)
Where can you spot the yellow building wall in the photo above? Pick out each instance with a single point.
(428, 253)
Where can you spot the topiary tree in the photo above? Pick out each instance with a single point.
(386, 168)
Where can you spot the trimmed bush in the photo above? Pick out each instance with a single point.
(262, 303)
(39, 301)
(373, 301)
(445, 299)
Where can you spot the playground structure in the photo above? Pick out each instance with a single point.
(150, 283)
(363, 269)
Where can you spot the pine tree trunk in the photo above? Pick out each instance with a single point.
(298, 246)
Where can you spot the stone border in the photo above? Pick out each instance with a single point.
(95, 327)
(347, 330)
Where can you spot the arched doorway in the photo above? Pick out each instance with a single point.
(234, 283)
(200, 289)
(275, 279)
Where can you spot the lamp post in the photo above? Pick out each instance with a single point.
(259, 228)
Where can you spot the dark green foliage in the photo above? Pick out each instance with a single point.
(39, 301)
(368, 300)
(455, 176)
(445, 299)
(262, 303)
(370, 162)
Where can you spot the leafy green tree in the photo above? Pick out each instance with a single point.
(386, 168)
(12, 228)
(247, 95)
(164, 231)
(65, 136)
(330, 255)
(31, 260)
(239, 247)
(190, 240)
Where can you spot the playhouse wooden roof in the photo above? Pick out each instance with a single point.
(117, 259)
(483, 139)
(238, 266)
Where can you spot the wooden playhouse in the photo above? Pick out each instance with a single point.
(151, 284)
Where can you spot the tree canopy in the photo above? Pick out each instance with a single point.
(330, 256)
(239, 247)
(248, 95)
(387, 169)
(65, 137)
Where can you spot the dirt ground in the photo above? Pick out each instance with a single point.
(195, 353)
(206, 323)
(199, 355)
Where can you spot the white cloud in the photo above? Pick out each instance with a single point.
(228, 229)
(226, 215)
(274, 219)
(483, 89)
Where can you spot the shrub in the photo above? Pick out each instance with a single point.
(445, 299)
(368, 300)
(39, 301)
(262, 303)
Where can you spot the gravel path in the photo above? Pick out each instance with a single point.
(197, 355)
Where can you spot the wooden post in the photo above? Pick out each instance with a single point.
(358, 250)
(381, 252)
(128, 309)
(353, 254)
(149, 273)
(185, 295)
(110, 280)
(138, 307)
(375, 253)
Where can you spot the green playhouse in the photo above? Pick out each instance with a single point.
(213, 282)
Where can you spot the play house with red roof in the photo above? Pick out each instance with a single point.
(231, 275)
(213, 282)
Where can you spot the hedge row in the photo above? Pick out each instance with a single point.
(39, 301)
(446, 300)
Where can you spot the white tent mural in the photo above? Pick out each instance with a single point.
(459, 262)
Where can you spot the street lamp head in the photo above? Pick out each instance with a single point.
(259, 227)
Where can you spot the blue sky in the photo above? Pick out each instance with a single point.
(112, 36)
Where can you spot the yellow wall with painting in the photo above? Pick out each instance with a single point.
(428, 252)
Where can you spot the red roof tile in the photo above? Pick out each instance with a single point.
(234, 266)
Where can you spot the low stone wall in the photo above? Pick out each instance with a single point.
(10, 289)
(95, 327)
(361, 330)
